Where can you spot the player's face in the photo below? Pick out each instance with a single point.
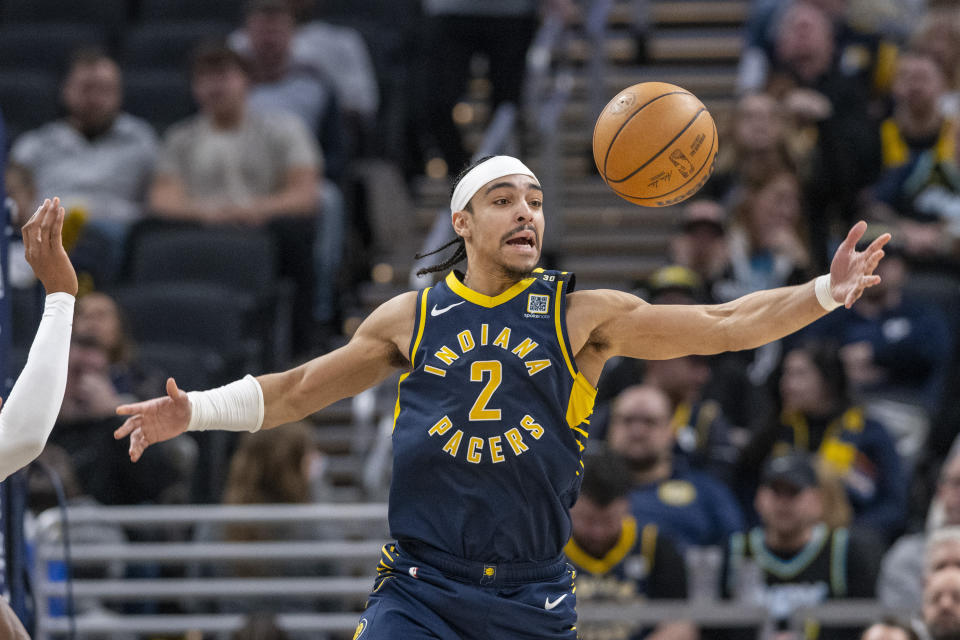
(596, 528)
(941, 604)
(506, 227)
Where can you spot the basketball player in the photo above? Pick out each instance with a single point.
(499, 369)
(28, 416)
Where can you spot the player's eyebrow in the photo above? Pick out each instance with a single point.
(497, 185)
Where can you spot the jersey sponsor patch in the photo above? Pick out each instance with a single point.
(538, 304)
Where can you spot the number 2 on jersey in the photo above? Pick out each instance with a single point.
(477, 371)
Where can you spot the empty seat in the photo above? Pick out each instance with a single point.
(108, 13)
(28, 99)
(210, 320)
(160, 97)
(167, 45)
(45, 47)
(243, 261)
(209, 10)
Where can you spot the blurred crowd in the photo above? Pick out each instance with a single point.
(819, 467)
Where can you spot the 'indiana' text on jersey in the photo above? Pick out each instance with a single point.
(490, 423)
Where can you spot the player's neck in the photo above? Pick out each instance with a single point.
(489, 282)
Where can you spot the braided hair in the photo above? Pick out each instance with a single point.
(460, 253)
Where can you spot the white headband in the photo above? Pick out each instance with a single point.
(495, 167)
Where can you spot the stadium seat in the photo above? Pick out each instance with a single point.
(208, 10)
(45, 47)
(167, 45)
(28, 99)
(209, 320)
(107, 13)
(160, 97)
(241, 261)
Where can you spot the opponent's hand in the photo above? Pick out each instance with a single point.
(155, 420)
(852, 271)
(43, 244)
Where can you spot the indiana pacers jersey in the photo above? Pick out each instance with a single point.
(490, 423)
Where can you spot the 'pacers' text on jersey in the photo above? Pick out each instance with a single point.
(490, 423)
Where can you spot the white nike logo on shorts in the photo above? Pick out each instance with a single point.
(550, 605)
(440, 312)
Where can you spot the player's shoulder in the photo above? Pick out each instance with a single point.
(601, 302)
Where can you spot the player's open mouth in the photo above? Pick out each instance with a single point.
(523, 240)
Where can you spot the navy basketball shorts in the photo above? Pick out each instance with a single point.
(425, 593)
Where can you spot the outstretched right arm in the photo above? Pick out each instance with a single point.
(376, 350)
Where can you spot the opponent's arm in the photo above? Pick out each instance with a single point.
(31, 410)
(613, 323)
(375, 351)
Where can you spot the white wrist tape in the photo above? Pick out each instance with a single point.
(822, 287)
(237, 406)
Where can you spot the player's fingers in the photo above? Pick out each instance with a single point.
(126, 428)
(56, 236)
(853, 236)
(874, 260)
(172, 390)
(878, 244)
(131, 409)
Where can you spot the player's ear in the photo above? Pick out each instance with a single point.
(461, 223)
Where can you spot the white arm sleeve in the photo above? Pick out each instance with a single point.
(28, 415)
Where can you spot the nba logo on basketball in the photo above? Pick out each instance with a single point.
(414, 571)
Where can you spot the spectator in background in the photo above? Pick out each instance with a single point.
(83, 428)
(689, 507)
(335, 51)
(889, 629)
(916, 142)
(901, 577)
(98, 157)
(98, 316)
(941, 604)
(233, 165)
(757, 149)
(767, 241)
(617, 559)
(502, 31)
(828, 112)
(701, 245)
(280, 82)
(938, 36)
(794, 559)
(819, 418)
(895, 348)
(260, 626)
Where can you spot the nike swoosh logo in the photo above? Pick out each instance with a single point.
(440, 312)
(550, 605)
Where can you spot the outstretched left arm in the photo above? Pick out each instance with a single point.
(612, 323)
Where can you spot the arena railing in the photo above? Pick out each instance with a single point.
(360, 531)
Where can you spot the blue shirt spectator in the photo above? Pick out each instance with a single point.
(689, 507)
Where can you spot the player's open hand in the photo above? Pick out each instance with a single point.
(44, 250)
(155, 420)
(852, 271)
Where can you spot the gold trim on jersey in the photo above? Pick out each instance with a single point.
(421, 322)
(558, 320)
(582, 397)
(600, 566)
(470, 295)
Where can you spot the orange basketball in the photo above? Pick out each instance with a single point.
(655, 144)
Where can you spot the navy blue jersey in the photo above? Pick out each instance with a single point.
(490, 423)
